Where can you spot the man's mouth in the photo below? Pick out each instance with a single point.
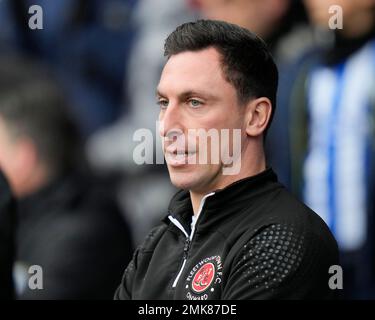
(179, 157)
(181, 152)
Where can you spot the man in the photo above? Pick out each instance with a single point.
(6, 239)
(227, 236)
(68, 225)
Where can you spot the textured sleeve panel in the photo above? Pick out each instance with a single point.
(266, 266)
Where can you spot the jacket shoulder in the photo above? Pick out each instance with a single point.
(286, 255)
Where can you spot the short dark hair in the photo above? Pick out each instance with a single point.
(247, 63)
(32, 105)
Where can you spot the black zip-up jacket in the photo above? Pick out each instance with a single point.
(252, 240)
(7, 230)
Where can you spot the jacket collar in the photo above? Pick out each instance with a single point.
(223, 203)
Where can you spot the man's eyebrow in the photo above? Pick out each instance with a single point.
(158, 93)
(188, 93)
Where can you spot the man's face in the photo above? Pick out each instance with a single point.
(8, 153)
(193, 94)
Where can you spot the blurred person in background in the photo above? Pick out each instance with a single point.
(281, 23)
(87, 44)
(330, 112)
(67, 222)
(7, 224)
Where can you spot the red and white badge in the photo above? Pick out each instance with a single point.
(203, 278)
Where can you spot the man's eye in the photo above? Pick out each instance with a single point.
(195, 103)
(163, 104)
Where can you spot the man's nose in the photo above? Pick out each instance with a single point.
(170, 122)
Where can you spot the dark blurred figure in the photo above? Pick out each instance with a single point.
(67, 222)
(7, 224)
(281, 23)
(86, 41)
(329, 118)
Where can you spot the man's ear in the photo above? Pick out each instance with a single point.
(258, 114)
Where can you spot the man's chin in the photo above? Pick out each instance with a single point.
(182, 180)
(181, 183)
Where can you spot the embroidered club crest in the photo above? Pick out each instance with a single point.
(203, 278)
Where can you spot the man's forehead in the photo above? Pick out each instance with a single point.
(191, 61)
(191, 71)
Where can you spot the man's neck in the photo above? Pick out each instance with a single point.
(254, 169)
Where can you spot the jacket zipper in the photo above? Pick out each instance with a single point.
(186, 250)
(188, 237)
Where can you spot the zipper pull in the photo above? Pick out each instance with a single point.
(186, 247)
